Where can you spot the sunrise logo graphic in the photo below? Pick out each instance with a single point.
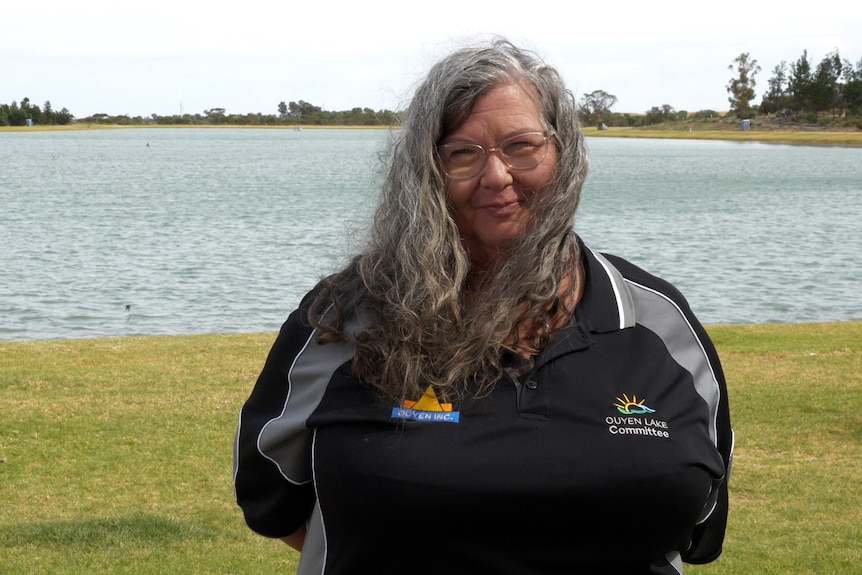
(631, 406)
(428, 408)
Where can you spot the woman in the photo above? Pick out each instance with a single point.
(478, 392)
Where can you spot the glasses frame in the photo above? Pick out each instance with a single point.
(486, 153)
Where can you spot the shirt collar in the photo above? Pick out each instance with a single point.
(606, 304)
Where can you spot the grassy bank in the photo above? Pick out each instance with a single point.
(799, 137)
(115, 454)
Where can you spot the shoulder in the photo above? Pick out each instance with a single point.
(658, 306)
(619, 294)
(298, 328)
(639, 278)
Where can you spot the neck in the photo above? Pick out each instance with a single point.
(529, 335)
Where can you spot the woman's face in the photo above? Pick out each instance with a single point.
(492, 208)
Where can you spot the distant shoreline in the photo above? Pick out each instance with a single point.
(772, 136)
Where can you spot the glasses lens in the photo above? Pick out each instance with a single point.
(524, 152)
(521, 152)
(462, 160)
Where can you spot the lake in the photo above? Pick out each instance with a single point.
(183, 231)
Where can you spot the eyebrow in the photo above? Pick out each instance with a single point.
(465, 140)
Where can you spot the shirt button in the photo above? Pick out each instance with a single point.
(531, 384)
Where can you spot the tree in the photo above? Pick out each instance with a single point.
(595, 106)
(215, 115)
(282, 110)
(47, 113)
(825, 90)
(741, 88)
(63, 117)
(776, 99)
(657, 115)
(853, 87)
(800, 84)
(15, 115)
(302, 108)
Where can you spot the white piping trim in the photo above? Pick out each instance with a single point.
(617, 296)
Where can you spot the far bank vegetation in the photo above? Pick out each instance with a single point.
(799, 95)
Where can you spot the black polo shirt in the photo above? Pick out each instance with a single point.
(610, 455)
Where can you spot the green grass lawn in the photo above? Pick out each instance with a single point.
(710, 132)
(115, 454)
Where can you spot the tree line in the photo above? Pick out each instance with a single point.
(15, 114)
(299, 113)
(801, 91)
(833, 87)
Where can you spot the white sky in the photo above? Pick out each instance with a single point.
(171, 56)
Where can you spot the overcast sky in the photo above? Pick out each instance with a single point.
(170, 56)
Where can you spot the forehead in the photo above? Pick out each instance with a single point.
(504, 110)
(511, 94)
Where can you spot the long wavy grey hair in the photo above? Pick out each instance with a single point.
(425, 323)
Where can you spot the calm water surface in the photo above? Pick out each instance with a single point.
(185, 231)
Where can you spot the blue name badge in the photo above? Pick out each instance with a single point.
(432, 416)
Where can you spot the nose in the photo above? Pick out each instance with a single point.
(496, 172)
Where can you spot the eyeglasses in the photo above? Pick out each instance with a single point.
(522, 152)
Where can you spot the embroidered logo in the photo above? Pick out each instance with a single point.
(428, 408)
(632, 406)
(633, 423)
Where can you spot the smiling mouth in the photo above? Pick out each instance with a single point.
(502, 209)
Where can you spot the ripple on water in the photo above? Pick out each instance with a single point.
(225, 230)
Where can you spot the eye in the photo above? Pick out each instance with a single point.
(524, 145)
(460, 153)
(518, 148)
